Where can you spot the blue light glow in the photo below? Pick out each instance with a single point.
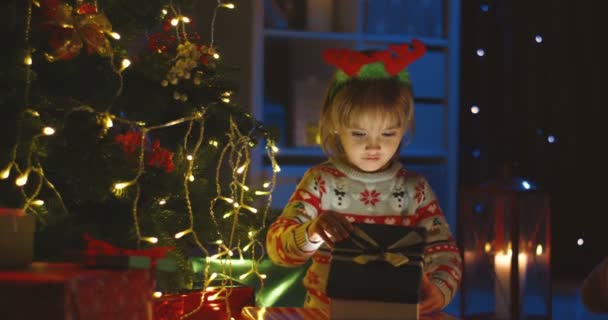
(551, 139)
(476, 153)
(485, 7)
(538, 38)
(526, 185)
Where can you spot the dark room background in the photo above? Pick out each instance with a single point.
(536, 86)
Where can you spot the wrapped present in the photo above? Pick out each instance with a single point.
(57, 291)
(376, 273)
(101, 254)
(214, 306)
(16, 238)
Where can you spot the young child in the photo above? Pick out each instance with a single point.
(368, 109)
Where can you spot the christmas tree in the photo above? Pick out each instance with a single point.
(121, 124)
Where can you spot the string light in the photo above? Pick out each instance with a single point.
(539, 249)
(538, 38)
(228, 5)
(48, 131)
(124, 64)
(6, 172)
(189, 157)
(480, 52)
(22, 179)
(474, 109)
(115, 35)
(122, 185)
(27, 60)
(162, 202)
(38, 202)
(182, 233)
(150, 239)
(157, 294)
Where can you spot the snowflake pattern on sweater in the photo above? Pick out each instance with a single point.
(393, 197)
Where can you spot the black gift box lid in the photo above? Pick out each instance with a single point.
(377, 280)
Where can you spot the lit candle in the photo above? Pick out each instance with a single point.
(502, 283)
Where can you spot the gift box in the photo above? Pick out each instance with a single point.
(58, 291)
(16, 238)
(376, 273)
(214, 307)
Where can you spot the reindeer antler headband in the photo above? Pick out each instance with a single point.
(375, 65)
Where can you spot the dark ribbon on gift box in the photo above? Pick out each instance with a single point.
(397, 254)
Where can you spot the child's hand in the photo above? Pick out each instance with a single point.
(329, 227)
(432, 298)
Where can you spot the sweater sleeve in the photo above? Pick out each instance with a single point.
(443, 263)
(287, 242)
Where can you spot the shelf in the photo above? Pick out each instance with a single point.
(344, 36)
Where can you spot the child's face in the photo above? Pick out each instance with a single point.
(371, 143)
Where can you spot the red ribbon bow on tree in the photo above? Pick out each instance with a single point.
(71, 29)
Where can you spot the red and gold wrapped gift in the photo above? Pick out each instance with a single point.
(173, 306)
(70, 291)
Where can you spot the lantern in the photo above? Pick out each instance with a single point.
(504, 235)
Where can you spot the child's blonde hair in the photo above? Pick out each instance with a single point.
(359, 98)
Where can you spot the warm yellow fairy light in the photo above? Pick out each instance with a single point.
(6, 172)
(274, 148)
(226, 199)
(226, 93)
(539, 249)
(252, 209)
(162, 202)
(213, 143)
(115, 35)
(157, 294)
(27, 60)
(48, 131)
(122, 185)
(487, 247)
(227, 215)
(186, 19)
(182, 233)
(191, 178)
(213, 297)
(108, 122)
(216, 56)
(261, 193)
(266, 184)
(150, 239)
(276, 168)
(164, 11)
(246, 247)
(22, 179)
(189, 157)
(246, 188)
(245, 275)
(263, 276)
(125, 64)
(213, 276)
(174, 22)
(38, 202)
(241, 169)
(228, 5)
(226, 100)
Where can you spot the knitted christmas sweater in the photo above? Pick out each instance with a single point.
(393, 196)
